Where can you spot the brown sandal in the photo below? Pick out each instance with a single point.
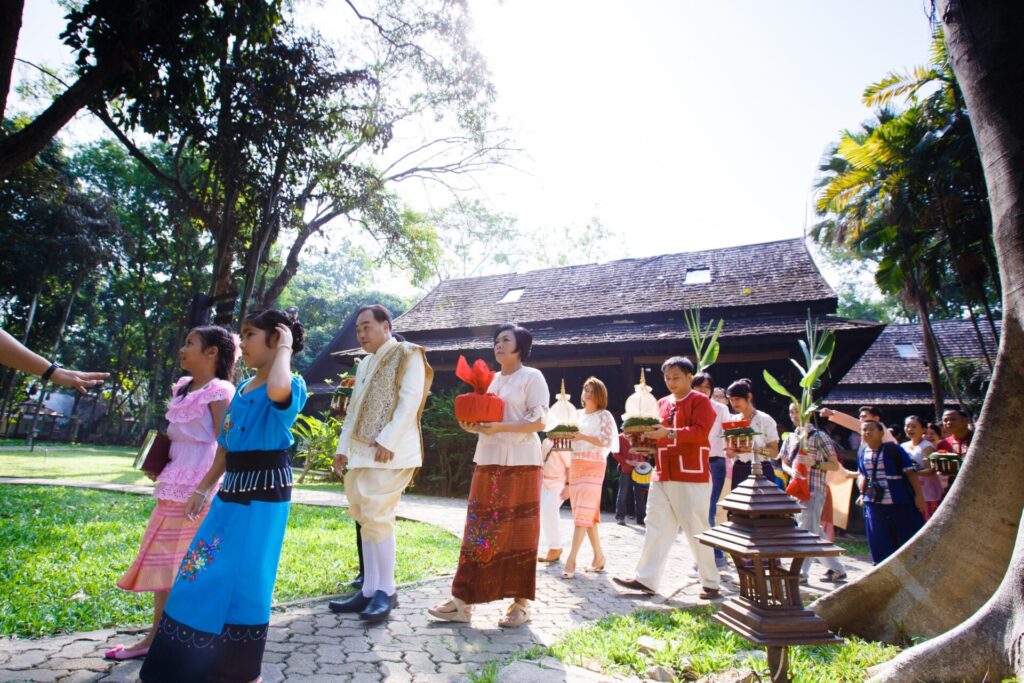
(516, 615)
(552, 555)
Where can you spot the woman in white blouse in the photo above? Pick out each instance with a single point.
(596, 438)
(765, 443)
(499, 546)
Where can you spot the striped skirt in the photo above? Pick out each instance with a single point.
(164, 544)
(586, 478)
(498, 558)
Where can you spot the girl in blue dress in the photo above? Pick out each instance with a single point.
(215, 622)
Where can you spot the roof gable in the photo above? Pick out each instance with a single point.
(780, 272)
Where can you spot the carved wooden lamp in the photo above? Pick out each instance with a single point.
(760, 533)
(561, 423)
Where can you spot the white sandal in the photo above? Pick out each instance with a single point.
(452, 609)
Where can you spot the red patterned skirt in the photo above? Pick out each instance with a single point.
(499, 546)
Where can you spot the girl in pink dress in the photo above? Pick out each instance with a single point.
(194, 413)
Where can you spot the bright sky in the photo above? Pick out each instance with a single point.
(685, 125)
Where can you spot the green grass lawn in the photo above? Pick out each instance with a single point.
(62, 551)
(109, 464)
(691, 635)
(854, 546)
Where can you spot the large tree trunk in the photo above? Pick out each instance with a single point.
(988, 646)
(10, 27)
(962, 556)
(19, 147)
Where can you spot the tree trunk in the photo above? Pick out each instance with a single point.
(930, 586)
(30, 439)
(22, 146)
(989, 646)
(10, 27)
(931, 351)
(11, 374)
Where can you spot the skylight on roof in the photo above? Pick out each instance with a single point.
(511, 296)
(908, 351)
(698, 276)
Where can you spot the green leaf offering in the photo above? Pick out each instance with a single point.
(641, 422)
(563, 429)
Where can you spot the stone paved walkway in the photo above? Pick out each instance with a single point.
(309, 643)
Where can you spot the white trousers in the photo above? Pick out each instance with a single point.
(809, 519)
(672, 505)
(550, 504)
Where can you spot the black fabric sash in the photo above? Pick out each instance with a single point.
(257, 475)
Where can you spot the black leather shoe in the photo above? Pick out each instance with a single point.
(380, 607)
(357, 603)
(357, 582)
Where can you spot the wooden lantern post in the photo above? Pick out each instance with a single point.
(759, 535)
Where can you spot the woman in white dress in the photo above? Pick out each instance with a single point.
(597, 437)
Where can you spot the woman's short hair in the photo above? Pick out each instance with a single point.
(524, 340)
(917, 419)
(599, 390)
(679, 362)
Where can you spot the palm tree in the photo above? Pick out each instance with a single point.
(873, 201)
(956, 181)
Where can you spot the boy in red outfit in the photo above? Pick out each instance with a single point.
(681, 490)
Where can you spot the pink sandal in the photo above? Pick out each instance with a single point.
(119, 653)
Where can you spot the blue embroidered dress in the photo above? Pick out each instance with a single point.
(215, 622)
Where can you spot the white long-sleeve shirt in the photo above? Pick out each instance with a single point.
(401, 435)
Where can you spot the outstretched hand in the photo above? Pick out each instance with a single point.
(80, 381)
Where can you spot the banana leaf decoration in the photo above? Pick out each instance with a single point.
(817, 351)
(704, 340)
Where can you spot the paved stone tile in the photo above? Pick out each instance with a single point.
(308, 643)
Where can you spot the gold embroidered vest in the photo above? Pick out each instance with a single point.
(377, 405)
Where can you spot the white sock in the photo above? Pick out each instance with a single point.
(369, 569)
(386, 565)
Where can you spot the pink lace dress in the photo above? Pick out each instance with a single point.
(193, 438)
(193, 446)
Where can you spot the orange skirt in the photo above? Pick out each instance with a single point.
(499, 546)
(164, 544)
(586, 478)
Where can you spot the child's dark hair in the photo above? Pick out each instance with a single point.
(269, 319)
(524, 340)
(700, 378)
(741, 388)
(224, 342)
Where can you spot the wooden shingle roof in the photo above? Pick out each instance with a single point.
(883, 364)
(754, 275)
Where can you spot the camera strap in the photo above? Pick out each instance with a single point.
(879, 455)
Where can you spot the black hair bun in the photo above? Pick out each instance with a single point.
(298, 335)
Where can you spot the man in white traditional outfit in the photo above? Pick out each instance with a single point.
(382, 447)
